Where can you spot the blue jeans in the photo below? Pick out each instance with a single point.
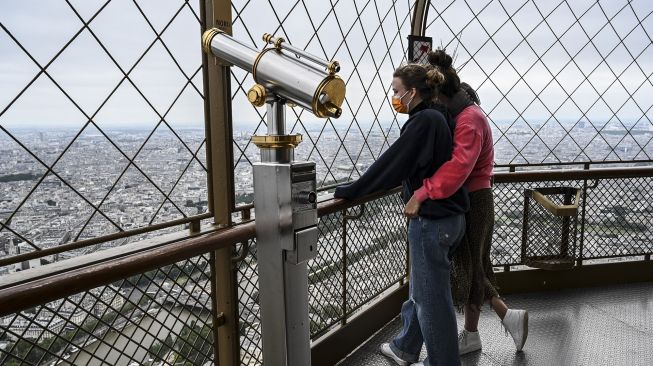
(428, 316)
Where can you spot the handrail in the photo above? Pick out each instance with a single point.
(338, 204)
(572, 174)
(49, 287)
(98, 240)
(568, 163)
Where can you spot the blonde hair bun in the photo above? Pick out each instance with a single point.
(434, 77)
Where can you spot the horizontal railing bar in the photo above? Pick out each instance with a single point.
(572, 174)
(26, 295)
(337, 204)
(250, 206)
(567, 163)
(100, 256)
(98, 240)
(625, 255)
(23, 290)
(244, 207)
(506, 177)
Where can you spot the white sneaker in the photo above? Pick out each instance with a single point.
(421, 363)
(516, 323)
(387, 351)
(468, 342)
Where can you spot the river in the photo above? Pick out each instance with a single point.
(131, 345)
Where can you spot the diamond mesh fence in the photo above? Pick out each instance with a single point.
(160, 317)
(249, 314)
(376, 250)
(619, 218)
(615, 220)
(559, 80)
(361, 253)
(101, 121)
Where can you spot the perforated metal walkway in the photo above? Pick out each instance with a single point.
(595, 326)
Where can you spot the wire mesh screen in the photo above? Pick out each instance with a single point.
(342, 277)
(368, 39)
(619, 218)
(249, 313)
(161, 317)
(376, 250)
(101, 119)
(509, 217)
(616, 219)
(559, 80)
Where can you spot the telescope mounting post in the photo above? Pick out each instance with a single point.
(285, 197)
(286, 234)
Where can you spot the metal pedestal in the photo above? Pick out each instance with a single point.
(286, 234)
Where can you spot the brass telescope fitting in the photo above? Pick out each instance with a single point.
(207, 38)
(257, 95)
(333, 67)
(277, 141)
(268, 38)
(278, 42)
(328, 97)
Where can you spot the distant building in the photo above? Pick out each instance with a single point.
(33, 328)
(16, 247)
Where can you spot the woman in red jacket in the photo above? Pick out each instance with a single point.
(471, 165)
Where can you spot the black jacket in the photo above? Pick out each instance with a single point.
(424, 145)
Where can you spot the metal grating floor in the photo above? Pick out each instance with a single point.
(594, 326)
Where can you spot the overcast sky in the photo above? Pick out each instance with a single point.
(85, 72)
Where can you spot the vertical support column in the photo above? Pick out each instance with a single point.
(420, 14)
(524, 234)
(217, 110)
(566, 229)
(581, 246)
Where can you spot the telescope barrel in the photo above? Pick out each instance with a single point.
(291, 78)
(230, 50)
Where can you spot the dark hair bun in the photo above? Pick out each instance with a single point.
(440, 58)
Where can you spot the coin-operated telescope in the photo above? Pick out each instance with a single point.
(284, 189)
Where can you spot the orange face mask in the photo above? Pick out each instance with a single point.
(398, 105)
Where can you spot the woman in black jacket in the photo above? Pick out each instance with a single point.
(424, 145)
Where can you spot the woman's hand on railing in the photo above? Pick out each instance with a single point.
(412, 207)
